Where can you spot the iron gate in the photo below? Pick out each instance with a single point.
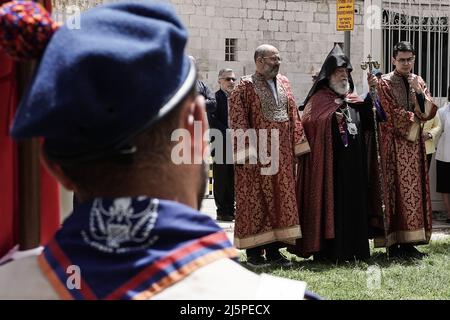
(426, 25)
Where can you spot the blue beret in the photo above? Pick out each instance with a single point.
(98, 86)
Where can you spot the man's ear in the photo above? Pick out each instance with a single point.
(56, 171)
(196, 123)
(199, 111)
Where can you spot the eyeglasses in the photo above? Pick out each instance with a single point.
(229, 79)
(407, 60)
(274, 58)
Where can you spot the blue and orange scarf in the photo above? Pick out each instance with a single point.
(130, 248)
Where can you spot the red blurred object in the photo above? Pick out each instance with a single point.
(9, 170)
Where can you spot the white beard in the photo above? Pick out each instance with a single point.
(340, 87)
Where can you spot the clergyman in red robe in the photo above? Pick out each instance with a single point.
(408, 103)
(266, 204)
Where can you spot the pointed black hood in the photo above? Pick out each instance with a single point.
(335, 59)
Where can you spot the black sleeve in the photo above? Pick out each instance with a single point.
(219, 123)
(421, 100)
(210, 99)
(366, 113)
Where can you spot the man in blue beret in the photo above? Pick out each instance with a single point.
(223, 170)
(106, 99)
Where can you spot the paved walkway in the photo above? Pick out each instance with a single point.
(440, 228)
(209, 208)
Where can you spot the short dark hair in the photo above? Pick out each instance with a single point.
(154, 148)
(403, 46)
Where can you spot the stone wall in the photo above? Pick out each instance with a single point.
(303, 31)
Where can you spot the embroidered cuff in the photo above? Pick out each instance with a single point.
(414, 131)
(429, 110)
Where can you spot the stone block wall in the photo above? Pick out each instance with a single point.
(303, 31)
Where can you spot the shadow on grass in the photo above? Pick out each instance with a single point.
(378, 257)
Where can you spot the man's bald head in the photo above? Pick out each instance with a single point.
(267, 61)
(264, 50)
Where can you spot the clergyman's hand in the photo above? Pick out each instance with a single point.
(414, 83)
(372, 80)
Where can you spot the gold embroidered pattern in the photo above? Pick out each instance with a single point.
(399, 92)
(269, 107)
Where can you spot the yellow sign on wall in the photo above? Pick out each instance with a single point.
(345, 15)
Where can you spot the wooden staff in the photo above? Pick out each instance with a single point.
(374, 95)
(29, 177)
(29, 172)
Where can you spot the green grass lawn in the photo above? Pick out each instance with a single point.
(377, 278)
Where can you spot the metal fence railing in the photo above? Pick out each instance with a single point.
(424, 23)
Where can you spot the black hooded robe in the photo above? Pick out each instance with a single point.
(350, 184)
(334, 222)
